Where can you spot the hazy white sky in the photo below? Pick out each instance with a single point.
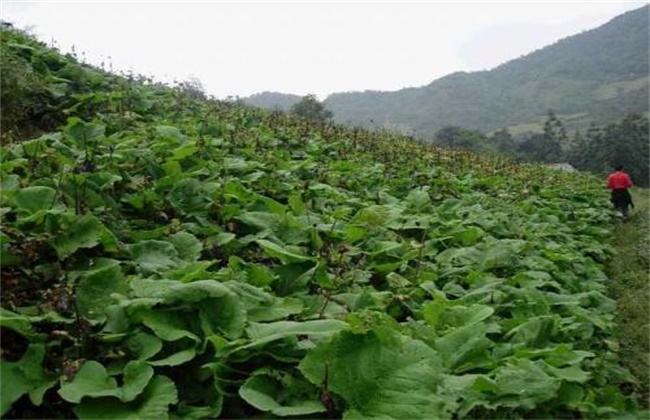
(241, 48)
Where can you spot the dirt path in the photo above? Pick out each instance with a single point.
(630, 274)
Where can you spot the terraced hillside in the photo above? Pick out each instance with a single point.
(168, 256)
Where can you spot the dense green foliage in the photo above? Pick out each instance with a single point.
(597, 150)
(312, 110)
(164, 255)
(596, 76)
(625, 142)
(37, 85)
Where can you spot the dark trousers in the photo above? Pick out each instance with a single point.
(622, 200)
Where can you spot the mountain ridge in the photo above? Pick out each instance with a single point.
(595, 76)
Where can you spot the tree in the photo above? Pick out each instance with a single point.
(627, 143)
(311, 109)
(555, 138)
(577, 154)
(502, 142)
(546, 147)
(454, 136)
(533, 148)
(193, 88)
(594, 154)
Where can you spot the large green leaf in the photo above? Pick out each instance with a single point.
(284, 254)
(265, 333)
(461, 393)
(136, 377)
(184, 151)
(84, 232)
(25, 376)
(284, 397)
(238, 164)
(219, 308)
(16, 322)
(558, 356)
(262, 306)
(153, 403)
(226, 315)
(281, 308)
(533, 333)
(176, 359)
(169, 325)
(466, 256)
(143, 346)
(92, 380)
(376, 215)
(465, 347)
(524, 384)
(296, 277)
(260, 220)
(84, 133)
(187, 245)
(154, 256)
(171, 291)
(169, 134)
(571, 373)
(379, 374)
(443, 315)
(418, 199)
(297, 205)
(501, 254)
(188, 196)
(469, 235)
(33, 199)
(96, 285)
(191, 271)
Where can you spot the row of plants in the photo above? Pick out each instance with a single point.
(169, 256)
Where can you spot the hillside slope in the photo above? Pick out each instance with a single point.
(168, 256)
(596, 76)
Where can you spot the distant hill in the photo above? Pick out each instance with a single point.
(596, 76)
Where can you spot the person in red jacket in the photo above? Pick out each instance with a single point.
(619, 181)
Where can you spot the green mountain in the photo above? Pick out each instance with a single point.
(596, 76)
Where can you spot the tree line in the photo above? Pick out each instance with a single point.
(625, 142)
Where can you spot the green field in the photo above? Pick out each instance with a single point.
(168, 256)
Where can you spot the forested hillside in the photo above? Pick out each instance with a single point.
(597, 76)
(168, 256)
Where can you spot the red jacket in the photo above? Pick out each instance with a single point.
(618, 180)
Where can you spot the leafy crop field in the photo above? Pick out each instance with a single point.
(169, 256)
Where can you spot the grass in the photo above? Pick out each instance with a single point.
(629, 271)
(612, 90)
